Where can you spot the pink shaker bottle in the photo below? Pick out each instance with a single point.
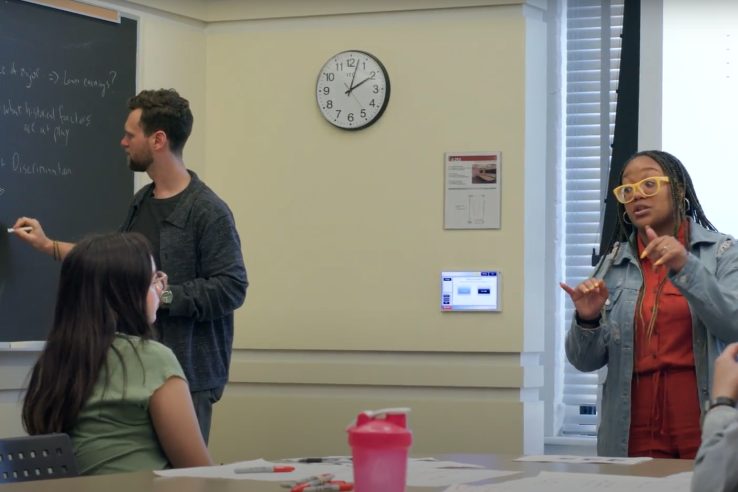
(380, 450)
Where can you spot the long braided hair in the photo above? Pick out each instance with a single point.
(681, 188)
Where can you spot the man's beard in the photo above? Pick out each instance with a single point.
(140, 165)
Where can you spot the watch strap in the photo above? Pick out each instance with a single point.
(722, 401)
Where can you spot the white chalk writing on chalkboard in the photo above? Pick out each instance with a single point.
(16, 165)
(57, 133)
(28, 76)
(47, 116)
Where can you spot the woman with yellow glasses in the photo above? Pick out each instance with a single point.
(654, 311)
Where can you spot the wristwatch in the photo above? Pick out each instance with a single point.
(721, 401)
(166, 297)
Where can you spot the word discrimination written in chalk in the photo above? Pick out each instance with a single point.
(31, 77)
(16, 165)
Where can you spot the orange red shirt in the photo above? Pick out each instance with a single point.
(670, 345)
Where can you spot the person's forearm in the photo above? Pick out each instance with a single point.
(586, 348)
(59, 248)
(718, 451)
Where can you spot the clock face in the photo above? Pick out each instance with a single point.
(353, 90)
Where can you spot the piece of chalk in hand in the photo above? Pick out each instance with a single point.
(27, 229)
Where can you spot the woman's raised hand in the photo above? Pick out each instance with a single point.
(589, 297)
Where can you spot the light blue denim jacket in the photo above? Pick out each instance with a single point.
(709, 282)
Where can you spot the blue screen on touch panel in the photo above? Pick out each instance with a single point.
(470, 291)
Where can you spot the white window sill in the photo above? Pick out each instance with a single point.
(570, 441)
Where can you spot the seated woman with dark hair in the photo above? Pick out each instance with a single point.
(120, 396)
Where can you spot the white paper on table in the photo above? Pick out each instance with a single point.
(413, 463)
(419, 473)
(344, 459)
(439, 464)
(583, 460)
(604, 460)
(302, 470)
(469, 488)
(584, 482)
(439, 477)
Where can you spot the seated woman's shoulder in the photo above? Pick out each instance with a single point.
(144, 348)
(154, 361)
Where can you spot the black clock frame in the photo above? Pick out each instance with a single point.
(387, 91)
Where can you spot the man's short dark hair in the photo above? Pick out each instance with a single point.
(164, 110)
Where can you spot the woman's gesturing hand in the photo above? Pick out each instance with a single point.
(589, 297)
(665, 250)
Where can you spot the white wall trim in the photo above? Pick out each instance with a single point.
(238, 10)
(535, 12)
(650, 113)
(553, 357)
(369, 19)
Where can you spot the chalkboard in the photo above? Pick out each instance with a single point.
(64, 82)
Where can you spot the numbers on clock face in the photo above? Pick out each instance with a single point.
(352, 90)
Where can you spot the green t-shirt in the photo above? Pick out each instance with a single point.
(114, 432)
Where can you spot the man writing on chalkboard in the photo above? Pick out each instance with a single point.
(195, 243)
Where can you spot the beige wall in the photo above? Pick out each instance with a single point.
(344, 239)
(172, 54)
(326, 217)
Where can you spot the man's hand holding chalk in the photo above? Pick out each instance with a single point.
(30, 231)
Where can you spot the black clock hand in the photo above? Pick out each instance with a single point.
(353, 77)
(357, 101)
(360, 83)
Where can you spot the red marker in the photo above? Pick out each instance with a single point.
(330, 487)
(312, 482)
(265, 469)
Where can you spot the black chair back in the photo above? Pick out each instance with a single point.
(24, 459)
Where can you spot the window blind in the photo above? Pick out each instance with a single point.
(593, 29)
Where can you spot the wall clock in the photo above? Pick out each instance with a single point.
(353, 90)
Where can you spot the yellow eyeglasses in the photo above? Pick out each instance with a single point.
(647, 187)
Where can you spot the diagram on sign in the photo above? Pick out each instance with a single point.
(476, 209)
